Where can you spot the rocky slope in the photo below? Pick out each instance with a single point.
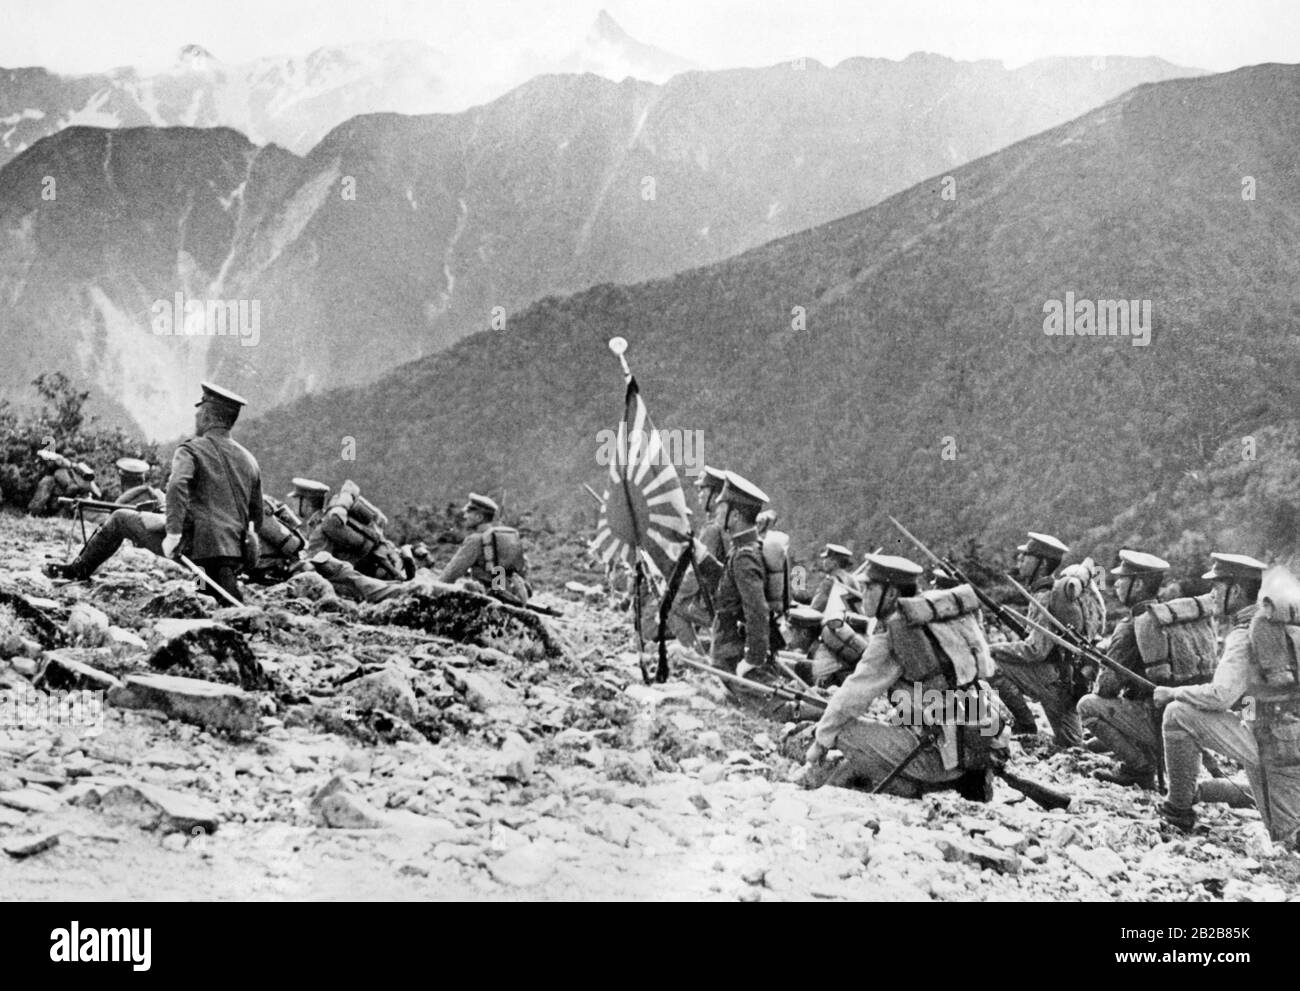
(370, 759)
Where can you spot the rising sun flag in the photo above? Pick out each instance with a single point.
(643, 519)
(645, 506)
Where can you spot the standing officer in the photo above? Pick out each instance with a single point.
(214, 497)
(740, 622)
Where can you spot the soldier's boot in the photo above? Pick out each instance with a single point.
(976, 786)
(1022, 717)
(1182, 819)
(1127, 776)
(71, 571)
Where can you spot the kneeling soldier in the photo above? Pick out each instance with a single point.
(1258, 667)
(924, 643)
(1118, 712)
(1036, 667)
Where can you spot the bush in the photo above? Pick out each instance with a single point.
(62, 421)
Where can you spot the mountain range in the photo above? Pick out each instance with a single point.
(396, 235)
(294, 101)
(903, 359)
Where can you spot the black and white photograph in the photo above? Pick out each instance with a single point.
(705, 451)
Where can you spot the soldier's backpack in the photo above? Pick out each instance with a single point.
(1275, 644)
(503, 548)
(938, 640)
(352, 522)
(1076, 601)
(842, 634)
(279, 532)
(1176, 640)
(776, 571)
(939, 643)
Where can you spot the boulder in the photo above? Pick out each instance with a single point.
(386, 690)
(345, 810)
(203, 703)
(20, 847)
(963, 850)
(152, 807)
(206, 650)
(87, 625)
(62, 670)
(30, 800)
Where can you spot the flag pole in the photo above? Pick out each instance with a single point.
(619, 346)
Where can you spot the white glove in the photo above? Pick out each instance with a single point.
(170, 543)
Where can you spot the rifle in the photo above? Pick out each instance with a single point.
(78, 515)
(1044, 796)
(1088, 651)
(544, 610)
(1085, 651)
(928, 737)
(202, 576)
(96, 505)
(1039, 794)
(999, 611)
(776, 691)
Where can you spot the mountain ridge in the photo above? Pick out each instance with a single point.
(890, 366)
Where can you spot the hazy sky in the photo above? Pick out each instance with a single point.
(90, 35)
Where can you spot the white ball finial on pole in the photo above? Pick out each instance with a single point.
(619, 346)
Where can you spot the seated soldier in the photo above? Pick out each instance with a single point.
(134, 487)
(145, 530)
(351, 530)
(62, 479)
(491, 555)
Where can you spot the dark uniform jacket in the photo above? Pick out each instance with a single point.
(713, 538)
(1124, 649)
(741, 599)
(208, 511)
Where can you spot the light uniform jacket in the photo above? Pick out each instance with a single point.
(823, 594)
(209, 512)
(1237, 674)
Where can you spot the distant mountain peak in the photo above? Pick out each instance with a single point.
(196, 57)
(606, 27)
(609, 51)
